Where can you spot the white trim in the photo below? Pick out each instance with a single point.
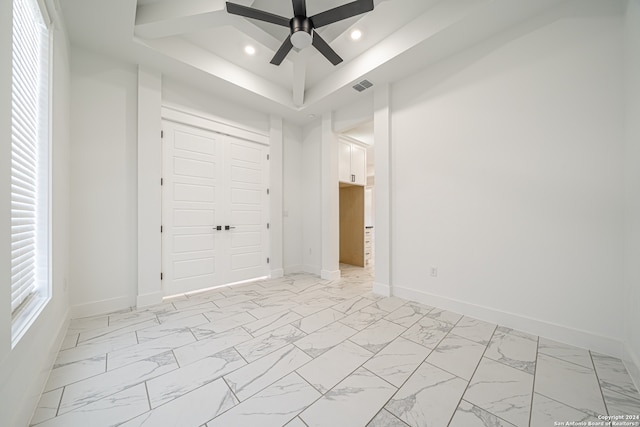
(146, 300)
(189, 117)
(351, 140)
(40, 381)
(632, 362)
(381, 289)
(576, 337)
(330, 275)
(100, 307)
(276, 273)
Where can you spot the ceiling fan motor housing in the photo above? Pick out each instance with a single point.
(301, 27)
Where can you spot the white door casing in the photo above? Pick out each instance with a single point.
(212, 180)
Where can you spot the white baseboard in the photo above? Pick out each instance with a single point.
(576, 337)
(100, 307)
(277, 273)
(40, 380)
(381, 289)
(330, 275)
(146, 300)
(632, 362)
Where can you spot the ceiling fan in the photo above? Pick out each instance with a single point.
(303, 27)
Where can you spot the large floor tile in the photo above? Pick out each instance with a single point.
(385, 418)
(613, 375)
(428, 332)
(328, 369)
(110, 411)
(271, 322)
(47, 406)
(62, 375)
(188, 378)
(318, 320)
(352, 305)
(571, 384)
(252, 378)
(408, 314)
(428, 398)
(324, 339)
(512, 350)
(474, 330)
(193, 409)
(501, 390)
(445, 316)
(222, 325)
(274, 406)
(299, 351)
(620, 404)
(271, 341)
(363, 318)
(200, 349)
(546, 412)
(100, 386)
(397, 361)
(96, 347)
(125, 356)
(565, 352)
(457, 355)
(377, 336)
(353, 402)
(170, 327)
(469, 415)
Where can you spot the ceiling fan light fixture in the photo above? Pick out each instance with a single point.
(301, 39)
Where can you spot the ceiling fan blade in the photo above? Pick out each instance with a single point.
(282, 52)
(249, 12)
(341, 12)
(324, 48)
(299, 8)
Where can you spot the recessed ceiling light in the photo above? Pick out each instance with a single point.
(356, 34)
(249, 50)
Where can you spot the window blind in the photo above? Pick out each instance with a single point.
(29, 152)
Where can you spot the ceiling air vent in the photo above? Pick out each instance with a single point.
(363, 85)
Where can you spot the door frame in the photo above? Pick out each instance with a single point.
(197, 120)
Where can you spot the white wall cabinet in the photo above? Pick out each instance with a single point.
(352, 163)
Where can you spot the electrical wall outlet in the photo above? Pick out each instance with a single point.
(434, 271)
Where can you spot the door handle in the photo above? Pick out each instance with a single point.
(217, 228)
(228, 227)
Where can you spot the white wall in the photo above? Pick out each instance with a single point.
(293, 195)
(103, 183)
(507, 176)
(25, 368)
(179, 94)
(311, 201)
(632, 187)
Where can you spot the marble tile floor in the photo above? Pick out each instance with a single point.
(300, 351)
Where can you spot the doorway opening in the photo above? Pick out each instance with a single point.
(357, 197)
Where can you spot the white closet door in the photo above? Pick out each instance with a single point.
(212, 180)
(193, 204)
(248, 176)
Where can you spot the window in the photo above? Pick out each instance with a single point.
(30, 218)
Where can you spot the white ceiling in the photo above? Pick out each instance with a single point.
(199, 42)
